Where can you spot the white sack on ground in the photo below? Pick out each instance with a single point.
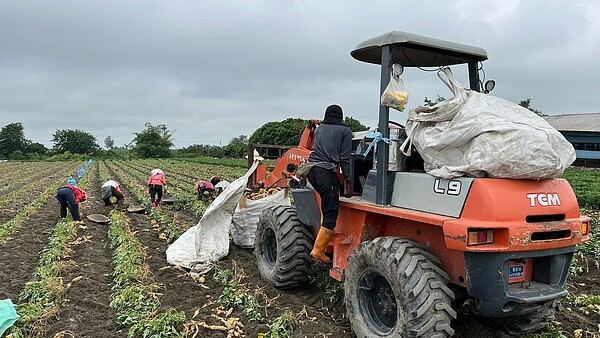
(208, 241)
(480, 135)
(245, 218)
(182, 252)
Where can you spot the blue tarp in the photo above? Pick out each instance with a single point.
(8, 315)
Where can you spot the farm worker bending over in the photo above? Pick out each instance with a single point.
(70, 195)
(206, 188)
(156, 182)
(112, 188)
(332, 147)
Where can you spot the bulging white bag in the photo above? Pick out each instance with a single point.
(208, 241)
(247, 212)
(479, 135)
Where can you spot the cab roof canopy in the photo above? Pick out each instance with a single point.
(412, 50)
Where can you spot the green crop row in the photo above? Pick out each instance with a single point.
(8, 227)
(41, 298)
(139, 190)
(181, 191)
(135, 295)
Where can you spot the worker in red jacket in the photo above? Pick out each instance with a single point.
(157, 183)
(206, 189)
(71, 196)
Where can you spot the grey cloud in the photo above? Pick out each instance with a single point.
(212, 70)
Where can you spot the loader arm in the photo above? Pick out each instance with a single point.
(277, 175)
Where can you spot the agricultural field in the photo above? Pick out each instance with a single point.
(94, 280)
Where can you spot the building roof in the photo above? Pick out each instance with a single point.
(586, 122)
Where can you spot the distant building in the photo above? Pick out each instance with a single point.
(583, 131)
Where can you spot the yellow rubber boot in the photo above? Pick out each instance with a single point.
(318, 251)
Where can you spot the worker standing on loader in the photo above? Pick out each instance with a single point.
(332, 148)
(70, 195)
(157, 184)
(112, 188)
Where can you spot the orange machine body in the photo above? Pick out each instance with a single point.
(524, 215)
(514, 209)
(529, 230)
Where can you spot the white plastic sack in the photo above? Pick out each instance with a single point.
(208, 241)
(480, 135)
(245, 218)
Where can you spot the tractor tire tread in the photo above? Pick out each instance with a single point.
(415, 276)
(294, 243)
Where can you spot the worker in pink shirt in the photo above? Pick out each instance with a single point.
(206, 189)
(157, 184)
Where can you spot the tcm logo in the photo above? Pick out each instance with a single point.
(543, 199)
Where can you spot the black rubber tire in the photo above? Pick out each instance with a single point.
(394, 287)
(282, 248)
(528, 323)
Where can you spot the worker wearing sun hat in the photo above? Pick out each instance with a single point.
(157, 184)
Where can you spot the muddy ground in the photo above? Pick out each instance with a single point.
(86, 312)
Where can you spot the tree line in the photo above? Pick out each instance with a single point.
(154, 141)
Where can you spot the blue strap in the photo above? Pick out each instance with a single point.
(377, 137)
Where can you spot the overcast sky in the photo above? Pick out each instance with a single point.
(214, 70)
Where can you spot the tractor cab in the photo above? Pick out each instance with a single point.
(404, 50)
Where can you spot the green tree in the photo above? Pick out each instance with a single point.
(237, 147)
(241, 140)
(286, 132)
(109, 143)
(197, 150)
(153, 142)
(527, 104)
(74, 141)
(428, 103)
(12, 138)
(354, 124)
(36, 148)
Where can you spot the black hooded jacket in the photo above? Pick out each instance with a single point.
(333, 142)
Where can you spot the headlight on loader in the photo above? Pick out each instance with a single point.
(480, 236)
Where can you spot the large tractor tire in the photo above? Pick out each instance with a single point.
(282, 247)
(395, 288)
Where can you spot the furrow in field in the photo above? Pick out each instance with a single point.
(13, 218)
(30, 173)
(86, 309)
(40, 300)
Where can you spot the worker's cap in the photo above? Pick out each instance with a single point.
(215, 179)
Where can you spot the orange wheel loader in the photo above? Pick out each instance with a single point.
(414, 249)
